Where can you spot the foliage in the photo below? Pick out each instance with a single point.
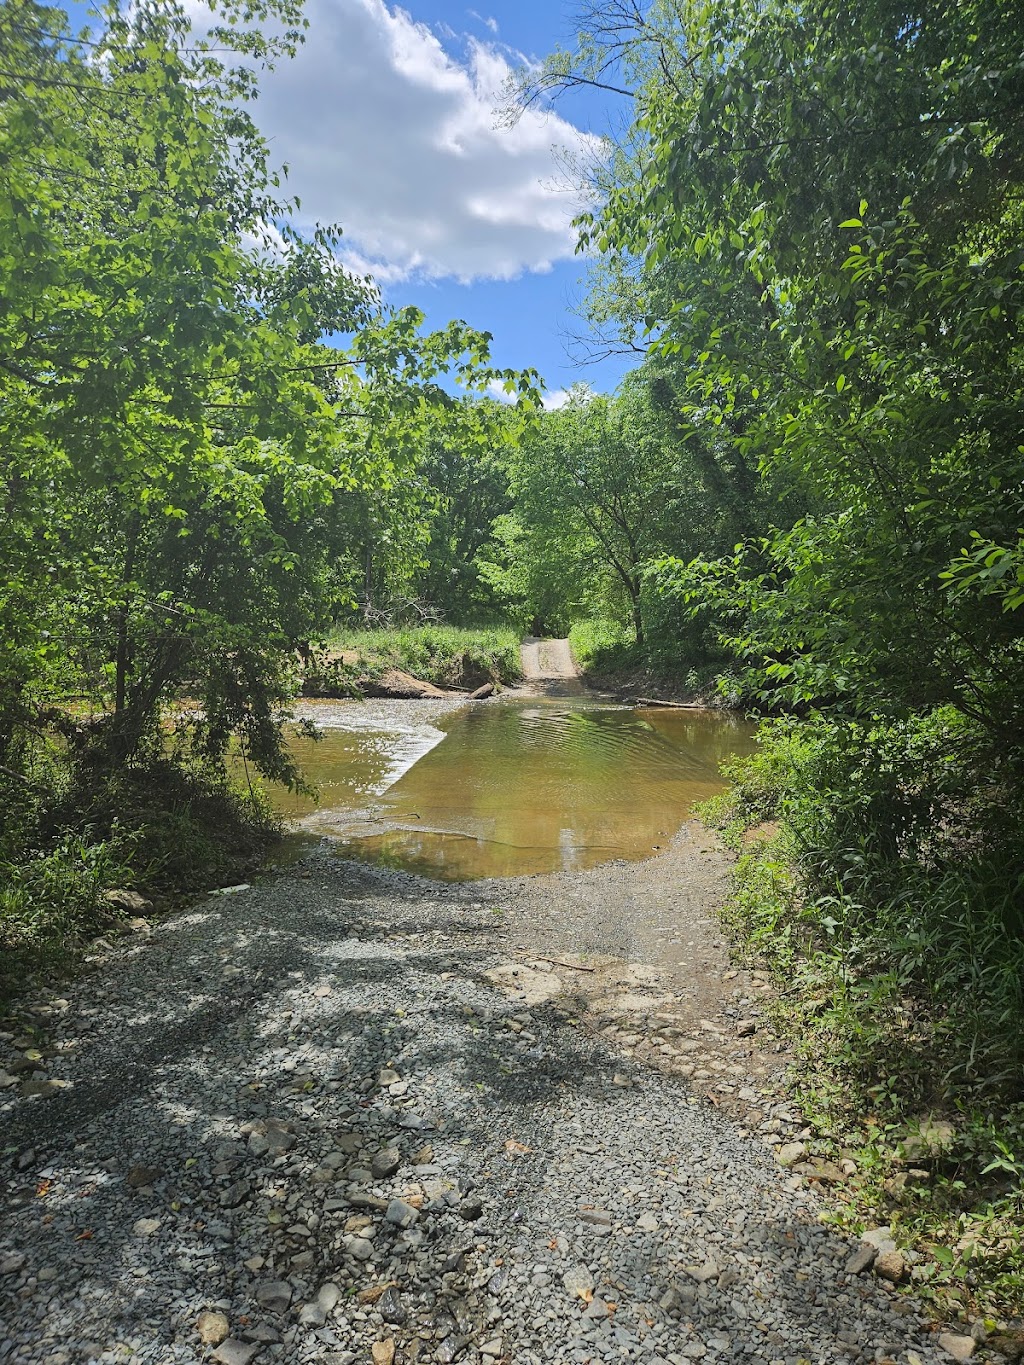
(444, 655)
(183, 459)
(599, 643)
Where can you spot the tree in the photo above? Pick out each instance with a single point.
(178, 447)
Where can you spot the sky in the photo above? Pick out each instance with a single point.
(387, 122)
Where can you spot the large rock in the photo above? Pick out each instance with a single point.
(274, 1295)
(960, 1348)
(213, 1328)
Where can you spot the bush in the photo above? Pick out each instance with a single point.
(602, 645)
(448, 656)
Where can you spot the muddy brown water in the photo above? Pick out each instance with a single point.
(510, 787)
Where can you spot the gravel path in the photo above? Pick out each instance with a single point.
(302, 1123)
(547, 659)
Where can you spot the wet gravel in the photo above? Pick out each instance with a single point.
(300, 1124)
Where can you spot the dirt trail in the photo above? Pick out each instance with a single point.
(549, 668)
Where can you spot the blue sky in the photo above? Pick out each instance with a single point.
(387, 121)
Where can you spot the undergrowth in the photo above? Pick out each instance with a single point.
(447, 656)
(160, 826)
(879, 879)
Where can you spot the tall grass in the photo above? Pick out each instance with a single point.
(444, 655)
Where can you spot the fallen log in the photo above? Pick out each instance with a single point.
(676, 705)
(482, 692)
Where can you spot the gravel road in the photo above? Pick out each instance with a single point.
(347, 1116)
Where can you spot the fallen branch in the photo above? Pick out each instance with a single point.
(557, 962)
(676, 705)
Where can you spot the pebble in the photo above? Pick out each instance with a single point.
(270, 1132)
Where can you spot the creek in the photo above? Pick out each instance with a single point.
(508, 787)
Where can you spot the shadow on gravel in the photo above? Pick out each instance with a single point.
(284, 1012)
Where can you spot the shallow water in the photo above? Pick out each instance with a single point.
(509, 787)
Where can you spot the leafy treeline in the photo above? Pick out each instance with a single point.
(815, 227)
(192, 484)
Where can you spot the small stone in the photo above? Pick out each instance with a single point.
(623, 1082)
(890, 1265)
(124, 899)
(960, 1348)
(213, 1328)
(879, 1238)
(388, 1077)
(861, 1260)
(471, 1209)
(10, 1265)
(492, 1349)
(140, 1176)
(232, 1352)
(745, 1028)
(392, 1309)
(359, 1247)
(578, 1281)
(647, 1223)
(790, 1153)
(386, 1163)
(274, 1295)
(703, 1273)
(401, 1214)
(383, 1352)
(145, 1227)
(236, 1194)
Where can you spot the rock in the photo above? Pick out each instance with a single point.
(1009, 1344)
(481, 692)
(623, 1082)
(934, 1138)
(492, 1349)
(401, 1214)
(578, 1281)
(861, 1260)
(236, 1194)
(145, 1227)
(383, 1352)
(647, 1223)
(388, 1077)
(10, 1265)
(391, 1308)
(471, 1209)
(274, 1295)
(25, 1160)
(790, 1153)
(232, 1352)
(140, 1176)
(745, 1028)
(359, 1247)
(123, 899)
(879, 1238)
(703, 1273)
(890, 1265)
(386, 1163)
(960, 1348)
(213, 1328)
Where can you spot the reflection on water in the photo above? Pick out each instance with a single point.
(515, 787)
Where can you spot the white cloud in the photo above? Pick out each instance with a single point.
(390, 136)
(496, 389)
(557, 399)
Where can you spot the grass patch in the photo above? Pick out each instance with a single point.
(884, 906)
(447, 656)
